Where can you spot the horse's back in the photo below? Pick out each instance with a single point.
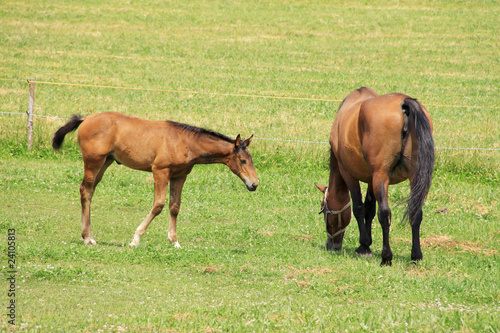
(345, 139)
(383, 124)
(368, 136)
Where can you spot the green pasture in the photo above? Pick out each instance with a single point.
(250, 261)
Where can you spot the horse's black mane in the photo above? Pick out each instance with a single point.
(199, 130)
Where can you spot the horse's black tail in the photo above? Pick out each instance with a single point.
(70, 126)
(422, 178)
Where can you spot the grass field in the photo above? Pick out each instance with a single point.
(250, 262)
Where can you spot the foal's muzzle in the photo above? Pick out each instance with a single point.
(251, 186)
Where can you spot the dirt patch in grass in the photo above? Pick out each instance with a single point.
(265, 233)
(447, 243)
(294, 272)
(302, 237)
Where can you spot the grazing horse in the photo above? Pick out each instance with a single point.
(379, 140)
(167, 149)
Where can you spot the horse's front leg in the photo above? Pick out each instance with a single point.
(359, 213)
(358, 209)
(370, 210)
(174, 206)
(161, 178)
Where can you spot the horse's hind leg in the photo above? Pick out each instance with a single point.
(380, 190)
(161, 178)
(93, 172)
(416, 251)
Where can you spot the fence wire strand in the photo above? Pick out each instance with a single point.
(232, 95)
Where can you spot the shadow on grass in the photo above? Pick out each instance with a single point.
(122, 245)
(350, 252)
(100, 243)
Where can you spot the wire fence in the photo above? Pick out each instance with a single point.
(30, 113)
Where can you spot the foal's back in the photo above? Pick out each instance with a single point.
(132, 141)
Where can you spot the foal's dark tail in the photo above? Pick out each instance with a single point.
(70, 126)
(422, 179)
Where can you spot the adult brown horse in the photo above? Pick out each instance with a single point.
(379, 140)
(167, 149)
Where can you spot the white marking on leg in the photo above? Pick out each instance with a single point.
(137, 238)
(90, 241)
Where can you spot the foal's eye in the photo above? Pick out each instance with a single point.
(243, 161)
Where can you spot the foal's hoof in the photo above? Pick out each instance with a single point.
(89, 241)
(364, 251)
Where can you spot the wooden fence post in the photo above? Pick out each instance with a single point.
(30, 112)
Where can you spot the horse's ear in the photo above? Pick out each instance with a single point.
(247, 141)
(321, 188)
(237, 143)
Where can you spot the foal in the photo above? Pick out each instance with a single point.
(167, 149)
(379, 140)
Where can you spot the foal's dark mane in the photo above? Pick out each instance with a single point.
(199, 130)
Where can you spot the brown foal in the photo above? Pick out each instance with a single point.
(167, 149)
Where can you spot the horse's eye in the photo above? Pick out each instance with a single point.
(243, 161)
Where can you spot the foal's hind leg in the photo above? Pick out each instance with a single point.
(161, 178)
(174, 206)
(94, 170)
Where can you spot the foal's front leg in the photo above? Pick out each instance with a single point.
(161, 178)
(174, 206)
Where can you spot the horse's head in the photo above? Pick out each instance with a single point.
(335, 224)
(240, 163)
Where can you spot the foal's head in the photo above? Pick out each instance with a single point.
(240, 163)
(335, 224)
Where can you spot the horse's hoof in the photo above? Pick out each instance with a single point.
(416, 257)
(177, 245)
(364, 251)
(386, 263)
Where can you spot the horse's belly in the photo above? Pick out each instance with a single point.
(356, 166)
(398, 175)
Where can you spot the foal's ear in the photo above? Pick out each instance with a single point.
(321, 188)
(237, 143)
(247, 141)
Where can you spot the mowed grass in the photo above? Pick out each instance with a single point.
(249, 262)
